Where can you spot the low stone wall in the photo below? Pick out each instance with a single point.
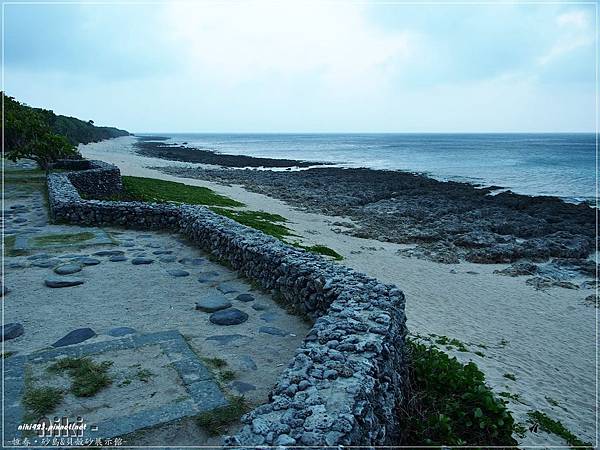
(345, 381)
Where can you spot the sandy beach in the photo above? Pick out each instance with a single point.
(545, 338)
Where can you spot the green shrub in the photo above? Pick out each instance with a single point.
(215, 422)
(448, 403)
(43, 400)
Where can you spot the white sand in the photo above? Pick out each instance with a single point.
(550, 334)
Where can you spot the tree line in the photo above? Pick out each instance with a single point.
(43, 136)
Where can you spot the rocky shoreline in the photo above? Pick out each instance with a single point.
(154, 147)
(446, 221)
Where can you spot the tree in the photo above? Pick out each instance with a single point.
(27, 134)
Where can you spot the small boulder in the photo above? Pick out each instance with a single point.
(230, 316)
(61, 282)
(117, 258)
(67, 269)
(11, 331)
(245, 298)
(141, 260)
(213, 303)
(75, 337)
(178, 273)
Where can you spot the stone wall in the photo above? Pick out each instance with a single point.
(345, 380)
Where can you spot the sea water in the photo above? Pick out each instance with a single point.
(556, 164)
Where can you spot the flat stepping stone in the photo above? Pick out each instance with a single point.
(224, 339)
(242, 387)
(274, 331)
(118, 258)
(178, 273)
(109, 253)
(68, 269)
(192, 261)
(141, 260)
(230, 316)
(213, 303)
(269, 316)
(20, 220)
(75, 337)
(229, 288)
(167, 259)
(71, 256)
(62, 282)
(86, 261)
(206, 277)
(259, 307)
(162, 252)
(121, 331)
(11, 331)
(40, 256)
(152, 245)
(47, 263)
(245, 298)
(127, 244)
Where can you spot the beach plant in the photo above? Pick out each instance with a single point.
(215, 362)
(88, 377)
(271, 224)
(320, 250)
(216, 421)
(448, 403)
(538, 419)
(42, 400)
(510, 376)
(161, 191)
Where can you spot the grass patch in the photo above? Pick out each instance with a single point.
(268, 223)
(144, 375)
(160, 191)
(320, 250)
(551, 400)
(227, 375)
(43, 400)
(449, 404)
(510, 376)
(549, 425)
(216, 421)
(217, 363)
(67, 238)
(88, 377)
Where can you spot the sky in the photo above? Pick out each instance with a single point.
(303, 66)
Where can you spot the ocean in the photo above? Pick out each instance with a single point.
(561, 165)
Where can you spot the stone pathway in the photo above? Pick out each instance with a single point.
(71, 287)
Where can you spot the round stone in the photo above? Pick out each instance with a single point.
(67, 269)
(61, 282)
(75, 337)
(141, 260)
(259, 307)
(230, 316)
(245, 298)
(46, 263)
(178, 273)
(117, 258)
(11, 331)
(167, 259)
(213, 303)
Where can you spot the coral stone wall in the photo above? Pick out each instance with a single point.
(345, 381)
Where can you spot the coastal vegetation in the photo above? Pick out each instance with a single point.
(216, 421)
(160, 191)
(450, 404)
(44, 136)
(43, 400)
(88, 377)
(541, 420)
